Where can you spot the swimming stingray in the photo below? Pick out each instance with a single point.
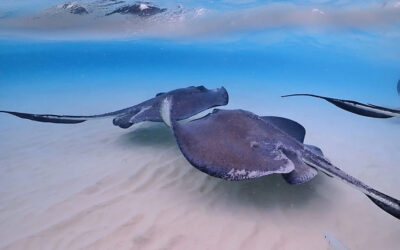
(359, 108)
(237, 145)
(190, 101)
(398, 87)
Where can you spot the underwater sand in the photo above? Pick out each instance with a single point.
(96, 186)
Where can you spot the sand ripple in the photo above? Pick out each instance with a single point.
(93, 186)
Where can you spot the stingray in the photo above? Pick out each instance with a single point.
(190, 101)
(368, 110)
(398, 87)
(239, 145)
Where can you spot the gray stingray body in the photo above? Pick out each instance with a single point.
(237, 145)
(248, 146)
(398, 87)
(190, 101)
(368, 110)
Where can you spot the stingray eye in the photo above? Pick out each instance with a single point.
(201, 88)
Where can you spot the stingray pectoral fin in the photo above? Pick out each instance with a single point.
(290, 127)
(385, 202)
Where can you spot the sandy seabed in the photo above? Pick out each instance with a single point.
(95, 186)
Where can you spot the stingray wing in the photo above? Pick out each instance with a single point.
(293, 129)
(232, 145)
(290, 127)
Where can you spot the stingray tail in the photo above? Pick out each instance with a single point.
(385, 202)
(317, 96)
(64, 119)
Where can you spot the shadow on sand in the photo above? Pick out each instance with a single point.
(271, 192)
(148, 134)
(263, 193)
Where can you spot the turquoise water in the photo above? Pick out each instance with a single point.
(353, 54)
(126, 68)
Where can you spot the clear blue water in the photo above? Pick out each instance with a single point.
(281, 68)
(57, 70)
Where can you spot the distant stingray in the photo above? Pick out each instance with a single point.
(368, 110)
(190, 101)
(398, 87)
(237, 145)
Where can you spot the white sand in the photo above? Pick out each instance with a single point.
(95, 186)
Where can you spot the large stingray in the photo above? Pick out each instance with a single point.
(368, 110)
(190, 101)
(237, 145)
